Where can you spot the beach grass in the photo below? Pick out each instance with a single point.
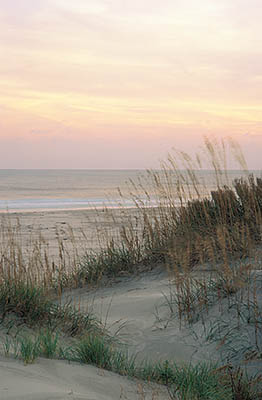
(201, 381)
(187, 226)
(31, 306)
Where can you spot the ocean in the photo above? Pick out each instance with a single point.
(71, 189)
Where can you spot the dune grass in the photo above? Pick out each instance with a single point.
(178, 223)
(31, 306)
(201, 381)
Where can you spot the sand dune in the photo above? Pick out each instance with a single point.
(59, 380)
(136, 304)
(134, 309)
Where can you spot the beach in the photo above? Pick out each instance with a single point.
(54, 224)
(57, 379)
(130, 200)
(135, 311)
(164, 312)
(87, 229)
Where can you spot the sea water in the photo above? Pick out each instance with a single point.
(69, 189)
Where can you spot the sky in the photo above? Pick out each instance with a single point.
(118, 84)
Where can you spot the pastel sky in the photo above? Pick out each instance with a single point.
(117, 84)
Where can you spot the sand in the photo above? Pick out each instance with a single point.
(87, 226)
(133, 308)
(53, 380)
(56, 224)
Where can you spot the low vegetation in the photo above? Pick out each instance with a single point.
(179, 223)
(31, 306)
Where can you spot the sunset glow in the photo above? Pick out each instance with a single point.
(117, 84)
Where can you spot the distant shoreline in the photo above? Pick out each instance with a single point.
(62, 210)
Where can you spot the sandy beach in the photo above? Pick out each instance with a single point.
(53, 379)
(133, 309)
(130, 200)
(87, 228)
